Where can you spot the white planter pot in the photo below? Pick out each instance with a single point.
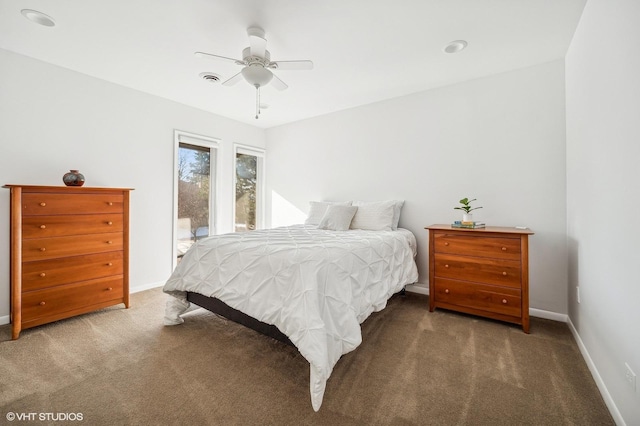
(467, 217)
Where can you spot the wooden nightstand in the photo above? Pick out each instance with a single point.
(483, 272)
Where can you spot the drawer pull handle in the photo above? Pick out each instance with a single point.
(43, 249)
(446, 244)
(42, 303)
(43, 204)
(504, 249)
(504, 301)
(446, 266)
(109, 223)
(109, 242)
(43, 226)
(446, 290)
(109, 288)
(110, 203)
(42, 274)
(504, 273)
(109, 264)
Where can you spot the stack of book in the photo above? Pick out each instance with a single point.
(468, 225)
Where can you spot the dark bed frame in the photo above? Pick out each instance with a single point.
(220, 308)
(217, 306)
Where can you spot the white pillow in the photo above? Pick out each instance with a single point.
(318, 208)
(337, 218)
(374, 216)
(397, 208)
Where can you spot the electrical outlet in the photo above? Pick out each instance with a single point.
(578, 293)
(630, 376)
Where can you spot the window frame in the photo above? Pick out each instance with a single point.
(260, 153)
(214, 146)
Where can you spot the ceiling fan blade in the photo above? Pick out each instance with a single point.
(212, 56)
(277, 83)
(233, 80)
(291, 65)
(257, 42)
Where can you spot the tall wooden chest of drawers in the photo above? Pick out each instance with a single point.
(69, 252)
(480, 271)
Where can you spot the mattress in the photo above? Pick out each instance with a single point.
(316, 286)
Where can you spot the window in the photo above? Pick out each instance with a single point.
(195, 184)
(249, 183)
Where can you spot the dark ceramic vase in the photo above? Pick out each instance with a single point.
(73, 178)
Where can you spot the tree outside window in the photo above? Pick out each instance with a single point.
(194, 169)
(246, 192)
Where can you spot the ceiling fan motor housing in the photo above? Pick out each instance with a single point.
(249, 58)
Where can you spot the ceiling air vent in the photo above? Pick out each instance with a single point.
(210, 77)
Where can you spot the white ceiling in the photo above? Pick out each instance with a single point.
(363, 50)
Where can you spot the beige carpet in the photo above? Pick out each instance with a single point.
(123, 367)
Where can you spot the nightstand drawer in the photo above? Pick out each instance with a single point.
(50, 248)
(57, 300)
(481, 246)
(54, 204)
(57, 226)
(50, 273)
(502, 300)
(483, 270)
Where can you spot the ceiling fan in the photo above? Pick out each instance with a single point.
(257, 65)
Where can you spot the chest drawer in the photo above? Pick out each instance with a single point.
(56, 226)
(50, 248)
(49, 273)
(69, 252)
(481, 246)
(55, 204)
(485, 270)
(56, 300)
(501, 300)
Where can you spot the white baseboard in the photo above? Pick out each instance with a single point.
(6, 319)
(417, 288)
(608, 400)
(539, 313)
(144, 287)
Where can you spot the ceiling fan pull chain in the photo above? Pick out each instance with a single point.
(257, 101)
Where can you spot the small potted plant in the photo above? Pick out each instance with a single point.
(467, 209)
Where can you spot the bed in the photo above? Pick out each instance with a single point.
(307, 286)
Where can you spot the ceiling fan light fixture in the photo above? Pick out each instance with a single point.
(455, 46)
(38, 17)
(257, 75)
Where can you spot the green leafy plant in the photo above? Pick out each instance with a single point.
(466, 205)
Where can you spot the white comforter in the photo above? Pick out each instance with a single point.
(316, 286)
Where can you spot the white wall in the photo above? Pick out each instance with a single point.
(603, 194)
(53, 120)
(499, 139)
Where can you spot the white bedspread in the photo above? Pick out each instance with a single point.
(316, 286)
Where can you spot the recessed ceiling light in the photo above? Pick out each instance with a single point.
(455, 46)
(38, 17)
